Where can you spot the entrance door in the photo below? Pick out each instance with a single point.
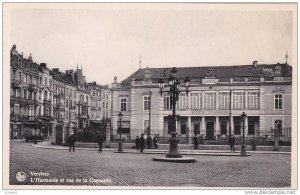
(209, 130)
(196, 129)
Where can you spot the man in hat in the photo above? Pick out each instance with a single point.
(72, 141)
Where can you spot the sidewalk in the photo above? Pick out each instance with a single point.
(48, 145)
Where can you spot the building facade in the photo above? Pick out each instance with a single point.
(100, 108)
(217, 97)
(52, 104)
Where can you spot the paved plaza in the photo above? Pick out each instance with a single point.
(87, 167)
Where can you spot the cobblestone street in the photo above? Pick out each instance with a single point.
(114, 169)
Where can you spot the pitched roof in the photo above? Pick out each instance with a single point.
(217, 71)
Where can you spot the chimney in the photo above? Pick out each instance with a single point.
(56, 70)
(43, 65)
(67, 72)
(254, 63)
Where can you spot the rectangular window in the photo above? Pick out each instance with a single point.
(167, 101)
(25, 78)
(103, 96)
(183, 101)
(123, 104)
(224, 100)
(103, 104)
(106, 105)
(81, 98)
(238, 100)
(278, 101)
(146, 102)
(67, 103)
(253, 100)
(196, 100)
(20, 76)
(210, 100)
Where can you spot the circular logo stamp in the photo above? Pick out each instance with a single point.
(21, 176)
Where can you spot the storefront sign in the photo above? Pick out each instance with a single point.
(210, 112)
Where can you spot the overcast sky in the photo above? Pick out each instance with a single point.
(107, 40)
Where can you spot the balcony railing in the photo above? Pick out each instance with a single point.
(72, 107)
(23, 101)
(82, 103)
(47, 101)
(15, 82)
(18, 117)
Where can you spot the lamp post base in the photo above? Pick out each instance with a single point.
(243, 149)
(120, 148)
(173, 150)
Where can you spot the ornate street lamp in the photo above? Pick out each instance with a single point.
(243, 150)
(120, 115)
(174, 92)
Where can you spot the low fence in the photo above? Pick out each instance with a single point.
(264, 140)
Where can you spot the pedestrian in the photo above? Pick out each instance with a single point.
(149, 142)
(72, 140)
(100, 142)
(142, 142)
(231, 142)
(196, 142)
(155, 140)
(137, 143)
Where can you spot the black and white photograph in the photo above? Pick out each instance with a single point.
(150, 96)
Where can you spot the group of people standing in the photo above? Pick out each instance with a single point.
(72, 139)
(140, 142)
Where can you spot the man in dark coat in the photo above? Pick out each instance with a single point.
(137, 143)
(100, 142)
(155, 140)
(231, 142)
(149, 142)
(72, 140)
(142, 142)
(196, 142)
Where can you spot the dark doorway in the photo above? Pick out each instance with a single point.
(223, 127)
(183, 129)
(196, 129)
(209, 130)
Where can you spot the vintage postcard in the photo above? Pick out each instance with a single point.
(150, 96)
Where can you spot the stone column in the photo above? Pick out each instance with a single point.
(203, 126)
(217, 126)
(246, 126)
(231, 124)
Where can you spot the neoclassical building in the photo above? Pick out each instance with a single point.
(217, 97)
